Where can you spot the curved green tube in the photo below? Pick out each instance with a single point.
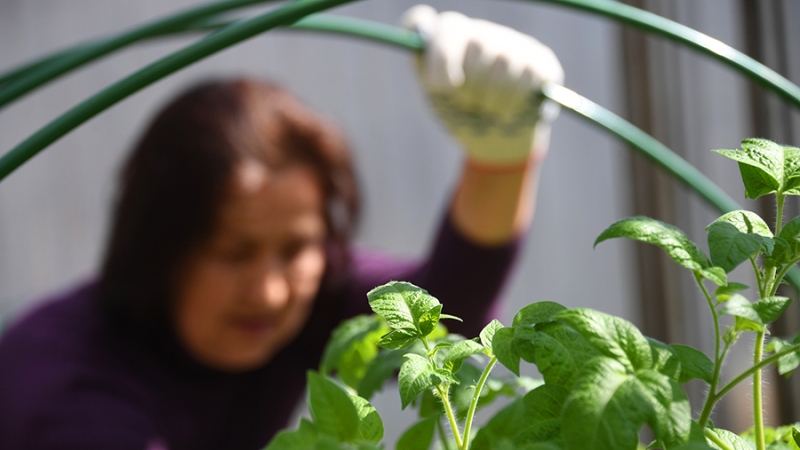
(40, 72)
(696, 40)
(652, 149)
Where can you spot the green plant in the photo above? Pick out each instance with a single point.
(602, 379)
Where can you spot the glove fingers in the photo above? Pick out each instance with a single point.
(502, 88)
(477, 66)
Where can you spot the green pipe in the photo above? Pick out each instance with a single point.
(149, 74)
(652, 149)
(696, 40)
(56, 65)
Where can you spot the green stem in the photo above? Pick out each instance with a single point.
(757, 273)
(765, 362)
(758, 411)
(779, 214)
(712, 398)
(782, 274)
(444, 394)
(717, 360)
(715, 439)
(473, 406)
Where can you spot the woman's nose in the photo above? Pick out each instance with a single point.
(275, 289)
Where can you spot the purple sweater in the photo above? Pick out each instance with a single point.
(70, 380)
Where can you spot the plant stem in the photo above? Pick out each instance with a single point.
(715, 439)
(757, 273)
(779, 214)
(712, 398)
(782, 274)
(444, 394)
(475, 397)
(765, 362)
(717, 360)
(758, 412)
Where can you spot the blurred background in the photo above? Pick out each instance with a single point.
(54, 211)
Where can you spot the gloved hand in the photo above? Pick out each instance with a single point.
(484, 81)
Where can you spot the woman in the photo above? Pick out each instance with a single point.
(228, 264)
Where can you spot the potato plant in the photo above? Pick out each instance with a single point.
(602, 379)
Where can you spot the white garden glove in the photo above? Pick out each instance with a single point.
(484, 82)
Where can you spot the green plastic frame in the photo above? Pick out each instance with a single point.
(19, 81)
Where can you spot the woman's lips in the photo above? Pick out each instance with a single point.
(253, 325)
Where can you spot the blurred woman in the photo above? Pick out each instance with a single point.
(229, 261)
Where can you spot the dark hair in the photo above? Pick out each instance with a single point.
(175, 179)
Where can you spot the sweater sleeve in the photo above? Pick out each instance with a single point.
(466, 277)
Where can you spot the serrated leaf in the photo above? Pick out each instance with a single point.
(770, 308)
(786, 364)
(398, 339)
(669, 238)
(428, 320)
(333, 412)
(611, 336)
(487, 334)
(370, 427)
(609, 405)
(419, 436)
(723, 293)
(536, 313)
(462, 350)
(379, 370)
(402, 304)
(503, 348)
(416, 375)
(561, 352)
(694, 364)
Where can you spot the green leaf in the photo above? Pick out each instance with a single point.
(333, 412)
(370, 427)
(503, 347)
(524, 345)
(448, 316)
(767, 167)
(398, 339)
(787, 244)
(380, 369)
(416, 375)
(305, 437)
(694, 364)
(747, 318)
(536, 313)
(729, 247)
(611, 336)
(796, 436)
(402, 304)
(543, 407)
(669, 238)
(561, 352)
(349, 334)
(732, 440)
(462, 350)
(487, 334)
(716, 275)
(665, 359)
(746, 222)
(609, 405)
(786, 364)
(770, 308)
(419, 436)
(723, 293)
(429, 319)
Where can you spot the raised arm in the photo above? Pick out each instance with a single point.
(484, 81)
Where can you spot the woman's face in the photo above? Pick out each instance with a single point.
(248, 291)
